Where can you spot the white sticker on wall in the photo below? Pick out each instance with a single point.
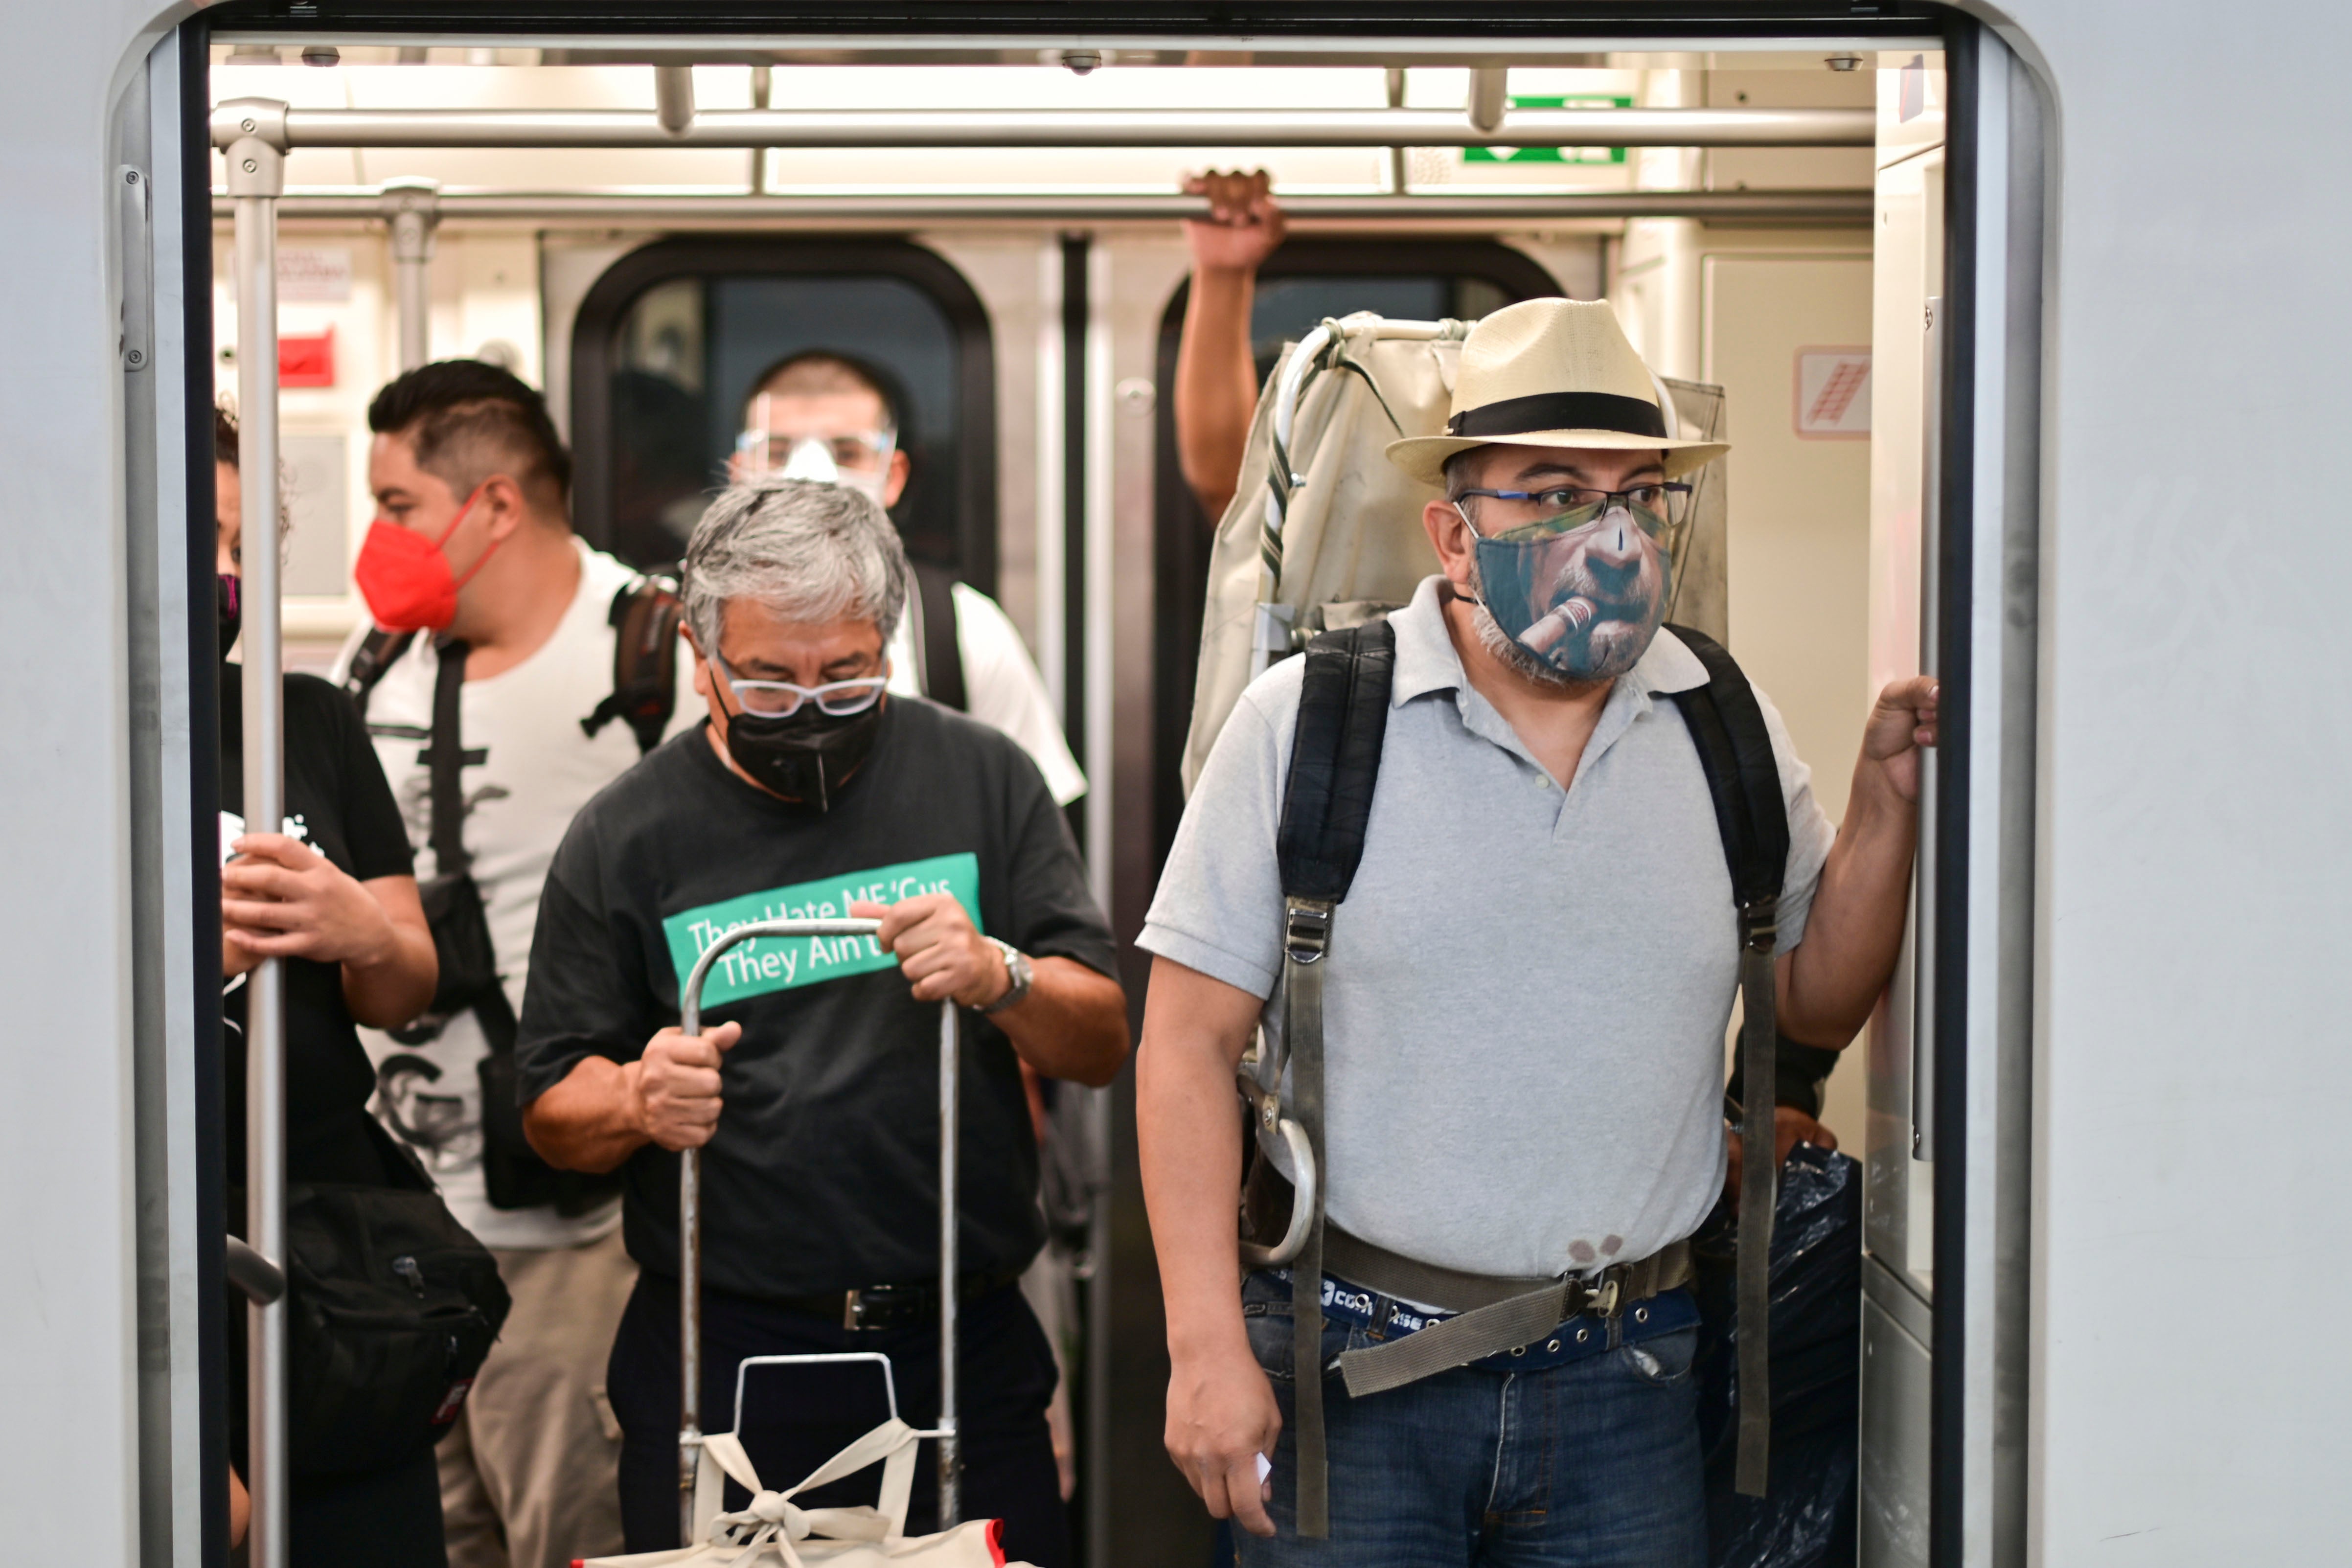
(314, 273)
(1833, 394)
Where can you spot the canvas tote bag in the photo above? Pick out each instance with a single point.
(775, 1532)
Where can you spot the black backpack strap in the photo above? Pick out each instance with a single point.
(444, 760)
(942, 650)
(1743, 778)
(644, 619)
(377, 652)
(1335, 760)
(1326, 804)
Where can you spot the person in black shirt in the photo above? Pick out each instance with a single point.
(331, 891)
(814, 1096)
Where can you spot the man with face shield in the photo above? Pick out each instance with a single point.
(827, 417)
(812, 790)
(1522, 1006)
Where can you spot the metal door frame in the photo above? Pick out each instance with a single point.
(1985, 938)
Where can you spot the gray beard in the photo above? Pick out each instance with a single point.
(1516, 655)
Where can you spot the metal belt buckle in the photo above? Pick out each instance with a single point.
(853, 1309)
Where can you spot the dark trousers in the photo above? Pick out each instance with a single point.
(796, 1418)
(389, 1518)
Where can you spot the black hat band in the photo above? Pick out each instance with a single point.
(1560, 411)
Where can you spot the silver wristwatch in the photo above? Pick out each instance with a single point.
(1016, 970)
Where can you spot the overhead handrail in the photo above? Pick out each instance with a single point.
(815, 128)
(1031, 206)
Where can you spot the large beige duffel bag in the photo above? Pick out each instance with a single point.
(776, 1532)
(1324, 531)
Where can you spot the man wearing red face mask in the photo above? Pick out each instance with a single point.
(511, 647)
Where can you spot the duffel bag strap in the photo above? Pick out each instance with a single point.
(1327, 805)
(1735, 751)
(1306, 938)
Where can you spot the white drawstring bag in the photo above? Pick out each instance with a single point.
(775, 1532)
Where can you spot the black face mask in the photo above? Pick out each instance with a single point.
(228, 594)
(806, 756)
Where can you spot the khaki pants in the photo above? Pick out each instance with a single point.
(529, 1476)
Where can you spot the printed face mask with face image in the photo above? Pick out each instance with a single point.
(1584, 591)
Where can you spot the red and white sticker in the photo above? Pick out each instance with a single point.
(453, 1401)
(1833, 394)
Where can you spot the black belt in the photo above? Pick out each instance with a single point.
(896, 1306)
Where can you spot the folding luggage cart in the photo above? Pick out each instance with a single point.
(690, 1231)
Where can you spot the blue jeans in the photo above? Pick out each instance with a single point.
(1583, 1463)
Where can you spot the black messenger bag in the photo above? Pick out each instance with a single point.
(392, 1306)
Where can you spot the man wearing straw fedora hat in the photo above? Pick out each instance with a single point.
(1522, 1007)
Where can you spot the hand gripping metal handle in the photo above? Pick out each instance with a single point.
(1267, 1118)
(690, 1231)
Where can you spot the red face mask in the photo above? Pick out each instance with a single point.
(406, 580)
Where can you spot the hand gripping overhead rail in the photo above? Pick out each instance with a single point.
(257, 176)
(690, 1232)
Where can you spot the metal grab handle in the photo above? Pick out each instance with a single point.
(1266, 1117)
(690, 1230)
(256, 1278)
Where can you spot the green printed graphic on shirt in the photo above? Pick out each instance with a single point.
(767, 963)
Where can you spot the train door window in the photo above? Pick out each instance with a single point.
(1298, 286)
(672, 343)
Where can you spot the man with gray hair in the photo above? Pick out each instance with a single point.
(810, 790)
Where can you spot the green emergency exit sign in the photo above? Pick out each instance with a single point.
(1597, 155)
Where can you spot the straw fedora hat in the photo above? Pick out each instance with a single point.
(1553, 372)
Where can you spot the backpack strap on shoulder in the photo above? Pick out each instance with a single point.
(1327, 805)
(644, 619)
(376, 653)
(941, 650)
(1743, 778)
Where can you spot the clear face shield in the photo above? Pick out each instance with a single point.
(858, 459)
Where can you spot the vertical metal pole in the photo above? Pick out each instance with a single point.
(1399, 174)
(257, 176)
(1099, 582)
(1098, 1340)
(951, 1078)
(412, 209)
(1490, 97)
(674, 98)
(762, 88)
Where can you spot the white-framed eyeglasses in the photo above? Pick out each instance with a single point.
(782, 699)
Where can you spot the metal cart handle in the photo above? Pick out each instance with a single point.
(690, 1231)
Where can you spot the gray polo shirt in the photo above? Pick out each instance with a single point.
(1527, 989)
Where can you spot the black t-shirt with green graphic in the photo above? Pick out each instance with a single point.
(823, 1174)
